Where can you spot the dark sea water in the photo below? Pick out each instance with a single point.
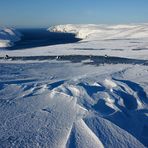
(42, 37)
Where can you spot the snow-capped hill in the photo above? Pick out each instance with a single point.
(81, 31)
(8, 37)
(104, 31)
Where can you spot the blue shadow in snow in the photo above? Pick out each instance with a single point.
(91, 89)
(103, 108)
(55, 84)
(128, 100)
(137, 88)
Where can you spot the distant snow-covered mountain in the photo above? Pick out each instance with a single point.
(104, 31)
(8, 36)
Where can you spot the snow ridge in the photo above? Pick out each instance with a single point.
(95, 110)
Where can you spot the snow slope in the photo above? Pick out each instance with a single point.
(93, 93)
(8, 37)
(63, 104)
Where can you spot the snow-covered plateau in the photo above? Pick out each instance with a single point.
(88, 94)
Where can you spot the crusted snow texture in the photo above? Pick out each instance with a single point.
(80, 95)
(55, 105)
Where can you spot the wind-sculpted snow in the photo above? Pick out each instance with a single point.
(62, 104)
(93, 93)
(8, 37)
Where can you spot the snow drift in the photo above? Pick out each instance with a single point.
(78, 95)
(8, 37)
(71, 105)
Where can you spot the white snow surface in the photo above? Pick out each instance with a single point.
(70, 105)
(104, 31)
(8, 36)
(114, 40)
(80, 95)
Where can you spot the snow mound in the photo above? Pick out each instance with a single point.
(104, 31)
(8, 37)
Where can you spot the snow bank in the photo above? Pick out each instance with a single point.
(104, 31)
(8, 37)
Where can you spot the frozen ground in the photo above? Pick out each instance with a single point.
(74, 96)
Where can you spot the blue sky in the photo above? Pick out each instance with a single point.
(42, 13)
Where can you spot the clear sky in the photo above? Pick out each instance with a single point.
(42, 13)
